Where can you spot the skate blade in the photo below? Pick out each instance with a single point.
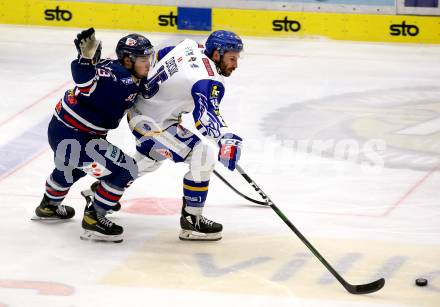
(96, 236)
(49, 219)
(190, 235)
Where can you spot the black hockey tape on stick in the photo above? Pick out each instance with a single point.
(263, 203)
(353, 289)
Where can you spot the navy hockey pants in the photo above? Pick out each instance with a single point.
(77, 154)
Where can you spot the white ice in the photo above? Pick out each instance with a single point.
(368, 222)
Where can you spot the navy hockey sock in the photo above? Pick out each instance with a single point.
(107, 196)
(55, 192)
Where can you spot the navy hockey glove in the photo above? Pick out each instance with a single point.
(230, 150)
(88, 46)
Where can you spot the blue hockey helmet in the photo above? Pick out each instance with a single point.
(223, 41)
(133, 45)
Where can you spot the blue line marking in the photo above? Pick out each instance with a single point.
(24, 147)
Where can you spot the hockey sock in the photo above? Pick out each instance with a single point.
(106, 197)
(195, 194)
(55, 192)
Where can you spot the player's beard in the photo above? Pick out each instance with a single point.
(224, 69)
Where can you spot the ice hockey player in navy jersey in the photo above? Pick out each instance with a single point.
(188, 78)
(104, 90)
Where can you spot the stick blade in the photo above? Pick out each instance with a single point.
(366, 288)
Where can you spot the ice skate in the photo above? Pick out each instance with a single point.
(47, 211)
(198, 227)
(98, 228)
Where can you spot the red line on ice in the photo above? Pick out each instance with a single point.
(23, 164)
(33, 104)
(410, 191)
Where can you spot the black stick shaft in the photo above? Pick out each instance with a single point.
(263, 203)
(291, 226)
(361, 289)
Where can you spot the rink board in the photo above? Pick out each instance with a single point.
(136, 17)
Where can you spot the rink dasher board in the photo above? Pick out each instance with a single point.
(250, 22)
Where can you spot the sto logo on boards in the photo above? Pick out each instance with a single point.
(286, 25)
(404, 29)
(58, 14)
(167, 20)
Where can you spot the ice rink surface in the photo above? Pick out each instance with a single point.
(343, 136)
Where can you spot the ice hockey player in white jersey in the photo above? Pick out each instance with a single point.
(188, 78)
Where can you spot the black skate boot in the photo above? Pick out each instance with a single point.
(98, 228)
(46, 211)
(198, 227)
(88, 195)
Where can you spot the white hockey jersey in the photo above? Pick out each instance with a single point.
(183, 80)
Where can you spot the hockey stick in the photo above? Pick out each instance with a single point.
(263, 203)
(353, 289)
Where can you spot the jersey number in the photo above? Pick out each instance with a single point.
(103, 73)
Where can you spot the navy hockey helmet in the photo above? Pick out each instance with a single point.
(223, 41)
(133, 45)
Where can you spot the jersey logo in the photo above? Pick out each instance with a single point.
(189, 51)
(71, 98)
(113, 153)
(215, 91)
(165, 152)
(208, 67)
(127, 81)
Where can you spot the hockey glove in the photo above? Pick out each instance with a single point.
(88, 46)
(230, 150)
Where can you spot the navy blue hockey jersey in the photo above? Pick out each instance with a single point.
(100, 98)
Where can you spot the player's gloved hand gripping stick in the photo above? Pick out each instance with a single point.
(229, 154)
(353, 289)
(230, 150)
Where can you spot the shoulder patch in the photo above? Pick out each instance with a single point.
(215, 91)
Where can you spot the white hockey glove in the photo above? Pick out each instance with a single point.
(88, 46)
(230, 150)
